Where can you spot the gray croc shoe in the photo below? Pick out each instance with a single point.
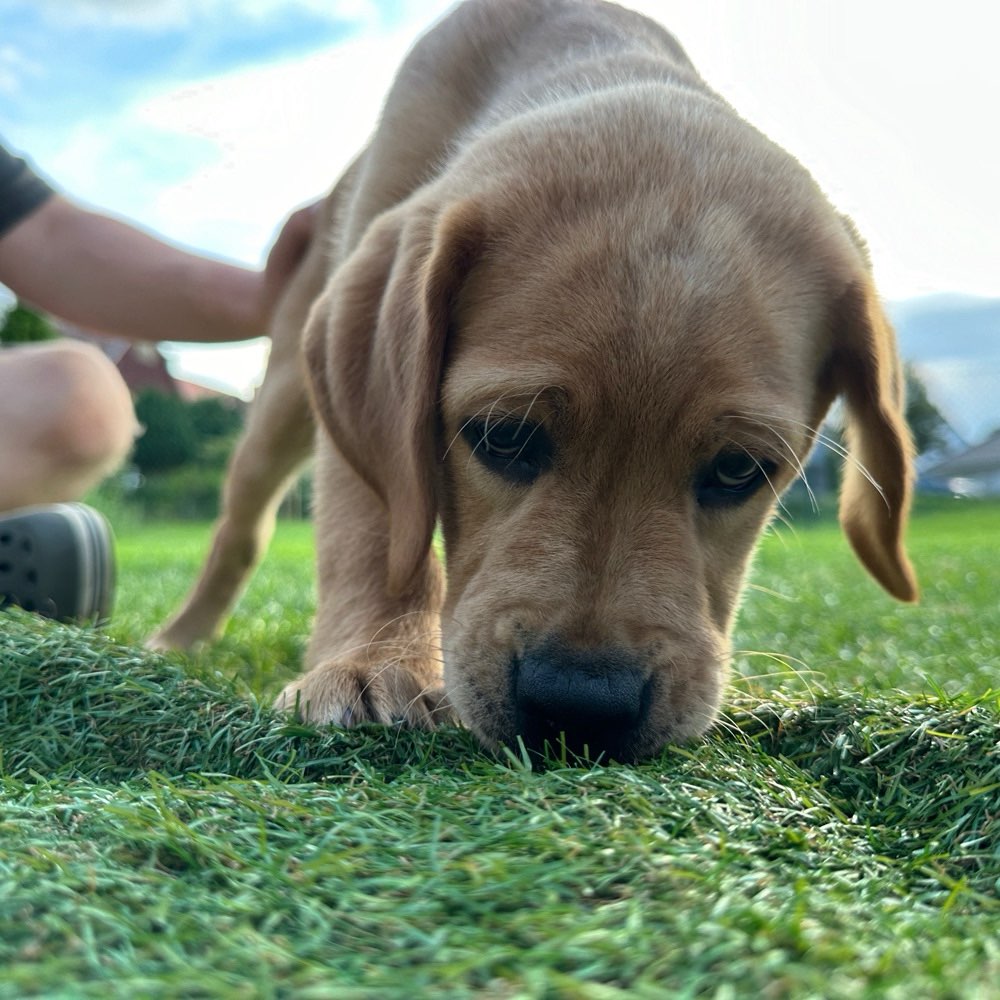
(57, 560)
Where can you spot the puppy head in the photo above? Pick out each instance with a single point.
(603, 409)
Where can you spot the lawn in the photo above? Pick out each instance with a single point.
(163, 834)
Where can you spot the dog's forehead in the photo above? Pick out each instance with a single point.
(613, 324)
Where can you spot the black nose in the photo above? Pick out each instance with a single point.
(591, 701)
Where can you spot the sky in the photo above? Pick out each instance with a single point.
(207, 121)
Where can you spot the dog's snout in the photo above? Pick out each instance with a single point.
(593, 701)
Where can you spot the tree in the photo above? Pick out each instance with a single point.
(213, 418)
(22, 325)
(169, 439)
(927, 424)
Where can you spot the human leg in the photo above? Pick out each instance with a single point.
(66, 421)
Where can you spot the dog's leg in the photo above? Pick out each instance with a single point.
(374, 657)
(277, 440)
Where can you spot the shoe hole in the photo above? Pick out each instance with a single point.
(26, 545)
(31, 576)
(4, 567)
(6, 538)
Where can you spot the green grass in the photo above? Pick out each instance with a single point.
(163, 834)
(812, 605)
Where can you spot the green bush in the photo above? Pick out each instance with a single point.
(215, 418)
(169, 439)
(180, 462)
(190, 492)
(20, 325)
(182, 456)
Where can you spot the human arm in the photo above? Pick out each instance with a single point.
(111, 277)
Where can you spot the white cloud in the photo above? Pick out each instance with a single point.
(280, 134)
(893, 119)
(156, 15)
(15, 68)
(258, 142)
(858, 91)
(218, 163)
(890, 105)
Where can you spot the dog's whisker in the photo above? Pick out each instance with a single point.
(726, 723)
(460, 431)
(787, 668)
(792, 455)
(771, 593)
(475, 416)
(488, 410)
(780, 523)
(397, 651)
(827, 442)
(416, 612)
(783, 658)
(763, 472)
(531, 405)
(798, 466)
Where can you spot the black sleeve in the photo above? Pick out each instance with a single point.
(21, 190)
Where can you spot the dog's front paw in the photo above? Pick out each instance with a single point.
(166, 640)
(350, 694)
(183, 632)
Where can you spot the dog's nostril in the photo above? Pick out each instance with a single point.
(588, 698)
(556, 696)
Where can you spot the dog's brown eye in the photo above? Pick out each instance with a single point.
(731, 478)
(734, 471)
(512, 448)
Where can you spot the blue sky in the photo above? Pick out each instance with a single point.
(208, 120)
(76, 61)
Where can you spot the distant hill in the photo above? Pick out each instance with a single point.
(954, 342)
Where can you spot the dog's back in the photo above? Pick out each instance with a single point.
(488, 61)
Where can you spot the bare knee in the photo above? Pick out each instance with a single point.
(94, 421)
(66, 405)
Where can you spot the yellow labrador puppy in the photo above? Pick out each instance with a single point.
(578, 311)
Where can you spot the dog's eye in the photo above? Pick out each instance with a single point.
(731, 478)
(515, 449)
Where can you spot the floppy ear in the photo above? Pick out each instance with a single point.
(374, 349)
(876, 491)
